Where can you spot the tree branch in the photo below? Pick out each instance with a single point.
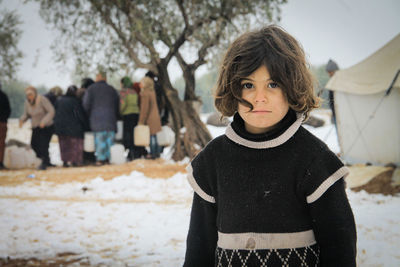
(121, 35)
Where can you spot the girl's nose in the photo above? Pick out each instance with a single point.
(260, 96)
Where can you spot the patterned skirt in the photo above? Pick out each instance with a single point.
(71, 149)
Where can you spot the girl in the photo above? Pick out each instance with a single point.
(268, 192)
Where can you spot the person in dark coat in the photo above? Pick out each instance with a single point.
(86, 82)
(5, 112)
(88, 157)
(101, 103)
(53, 94)
(331, 68)
(70, 124)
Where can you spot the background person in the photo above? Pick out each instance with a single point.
(149, 114)
(101, 103)
(161, 98)
(129, 108)
(331, 68)
(5, 112)
(88, 157)
(53, 94)
(70, 124)
(41, 112)
(85, 83)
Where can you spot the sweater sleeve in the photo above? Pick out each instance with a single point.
(201, 177)
(202, 237)
(334, 227)
(323, 188)
(322, 172)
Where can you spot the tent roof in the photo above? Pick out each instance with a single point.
(372, 75)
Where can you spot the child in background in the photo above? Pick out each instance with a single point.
(268, 192)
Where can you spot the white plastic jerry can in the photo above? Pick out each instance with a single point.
(88, 142)
(141, 135)
(117, 154)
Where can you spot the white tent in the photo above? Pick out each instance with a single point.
(368, 120)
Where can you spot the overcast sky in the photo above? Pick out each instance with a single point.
(346, 31)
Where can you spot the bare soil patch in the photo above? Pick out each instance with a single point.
(151, 168)
(380, 184)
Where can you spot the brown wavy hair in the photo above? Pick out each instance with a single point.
(285, 60)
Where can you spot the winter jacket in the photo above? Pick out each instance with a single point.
(52, 98)
(5, 109)
(70, 118)
(42, 111)
(272, 199)
(101, 103)
(149, 111)
(129, 102)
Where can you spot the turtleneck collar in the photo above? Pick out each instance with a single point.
(285, 129)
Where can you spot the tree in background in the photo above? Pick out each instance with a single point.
(125, 34)
(9, 37)
(205, 86)
(322, 78)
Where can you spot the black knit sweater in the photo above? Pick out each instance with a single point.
(274, 199)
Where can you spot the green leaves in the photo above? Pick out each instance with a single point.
(150, 32)
(9, 37)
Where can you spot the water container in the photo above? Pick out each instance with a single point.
(166, 136)
(117, 154)
(118, 135)
(141, 135)
(14, 157)
(31, 160)
(88, 142)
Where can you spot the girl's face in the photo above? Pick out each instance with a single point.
(269, 103)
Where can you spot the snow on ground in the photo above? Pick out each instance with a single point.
(133, 220)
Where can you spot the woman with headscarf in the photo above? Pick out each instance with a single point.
(41, 112)
(129, 108)
(149, 114)
(70, 123)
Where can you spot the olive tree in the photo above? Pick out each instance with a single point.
(124, 35)
(9, 37)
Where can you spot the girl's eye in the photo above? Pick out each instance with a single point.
(273, 85)
(247, 86)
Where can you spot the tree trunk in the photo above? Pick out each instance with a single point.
(190, 84)
(191, 135)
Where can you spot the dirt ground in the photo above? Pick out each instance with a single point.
(64, 259)
(151, 168)
(380, 184)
